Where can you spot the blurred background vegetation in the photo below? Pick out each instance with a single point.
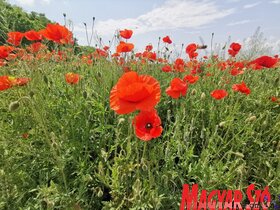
(13, 18)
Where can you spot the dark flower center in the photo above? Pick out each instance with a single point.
(149, 126)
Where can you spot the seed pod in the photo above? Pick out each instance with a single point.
(31, 93)
(202, 96)
(193, 92)
(251, 119)
(121, 120)
(85, 94)
(276, 80)
(99, 192)
(222, 124)
(45, 78)
(13, 106)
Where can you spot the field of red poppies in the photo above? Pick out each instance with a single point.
(115, 128)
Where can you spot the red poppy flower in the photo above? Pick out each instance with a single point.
(127, 69)
(36, 47)
(25, 135)
(134, 92)
(232, 52)
(179, 65)
(58, 34)
(72, 78)
(15, 38)
(235, 46)
(149, 55)
(126, 34)
(241, 88)
(124, 47)
(21, 81)
(106, 48)
(191, 51)
(5, 51)
(234, 49)
(116, 55)
(138, 55)
(222, 65)
(167, 40)
(191, 79)
(149, 47)
(147, 125)
(33, 35)
(237, 68)
(100, 53)
(191, 47)
(274, 99)
(177, 88)
(239, 65)
(166, 68)
(219, 94)
(236, 71)
(162, 60)
(2, 62)
(264, 62)
(5, 82)
(11, 56)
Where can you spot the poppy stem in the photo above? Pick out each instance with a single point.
(144, 150)
(181, 51)
(158, 51)
(64, 15)
(212, 37)
(87, 34)
(92, 27)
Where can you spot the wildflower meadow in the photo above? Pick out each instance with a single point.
(116, 128)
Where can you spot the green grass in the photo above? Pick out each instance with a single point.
(81, 155)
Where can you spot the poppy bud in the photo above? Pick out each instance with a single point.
(99, 74)
(104, 154)
(121, 120)
(31, 93)
(239, 154)
(144, 166)
(85, 94)
(25, 135)
(277, 80)
(193, 92)
(202, 133)
(168, 115)
(13, 106)
(2, 172)
(202, 96)
(45, 78)
(251, 119)
(222, 124)
(137, 186)
(99, 192)
(87, 178)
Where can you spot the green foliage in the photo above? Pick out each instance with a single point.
(81, 155)
(83, 50)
